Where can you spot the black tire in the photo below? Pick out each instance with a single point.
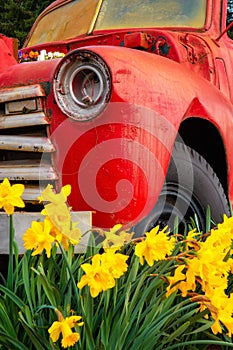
(190, 187)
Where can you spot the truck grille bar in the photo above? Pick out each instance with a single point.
(30, 172)
(22, 120)
(26, 143)
(20, 93)
(26, 151)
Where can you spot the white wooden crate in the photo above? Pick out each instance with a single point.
(22, 221)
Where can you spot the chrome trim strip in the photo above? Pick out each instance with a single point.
(31, 193)
(26, 171)
(21, 92)
(26, 143)
(21, 120)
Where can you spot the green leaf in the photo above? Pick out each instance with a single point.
(6, 323)
(16, 300)
(39, 342)
(26, 281)
(208, 219)
(10, 273)
(178, 331)
(46, 285)
(11, 343)
(186, 344)
(201, 329)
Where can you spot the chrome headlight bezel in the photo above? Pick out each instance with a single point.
(82, 85)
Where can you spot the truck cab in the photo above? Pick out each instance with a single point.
(130, 103)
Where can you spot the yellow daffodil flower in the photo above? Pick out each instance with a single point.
(38, 237)
(73, 236)
(48, 194)
(10, 196)
(59, 213)
(64, 327)
(175, 281)
(114, 262)
(156, 246)
(208, 268)
(220, 307)
(115, 237)
(97, 277)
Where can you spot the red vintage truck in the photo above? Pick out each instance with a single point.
(130, 102)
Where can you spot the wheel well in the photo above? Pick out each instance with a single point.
(203, 137)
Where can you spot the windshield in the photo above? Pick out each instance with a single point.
(65, 22)
(151, 13)
(76, 18)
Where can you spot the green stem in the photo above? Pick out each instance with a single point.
(91, 343)
(70, 272)
(11, 257)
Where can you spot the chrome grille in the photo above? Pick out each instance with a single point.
(26, 151)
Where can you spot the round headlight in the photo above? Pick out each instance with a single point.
(82, 85)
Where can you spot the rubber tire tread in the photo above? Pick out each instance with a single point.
(206, 185)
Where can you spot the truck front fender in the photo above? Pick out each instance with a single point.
(173, 91)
